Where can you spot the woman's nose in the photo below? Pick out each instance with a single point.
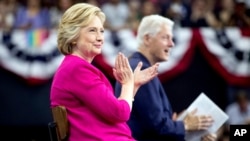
(99, 36)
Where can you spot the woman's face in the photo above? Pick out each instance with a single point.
(90, 41)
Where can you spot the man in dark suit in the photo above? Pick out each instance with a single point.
(152, 118)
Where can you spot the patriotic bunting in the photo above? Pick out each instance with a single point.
(36, 64)
(33, 55)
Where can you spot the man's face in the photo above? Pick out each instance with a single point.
(160, 44)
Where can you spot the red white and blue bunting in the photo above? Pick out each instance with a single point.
(226, 50)
(36, 64)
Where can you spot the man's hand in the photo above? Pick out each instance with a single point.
(209, 137)
(194, 122)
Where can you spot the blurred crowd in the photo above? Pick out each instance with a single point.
(34, 14)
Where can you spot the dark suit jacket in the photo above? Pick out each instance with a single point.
(151, 116)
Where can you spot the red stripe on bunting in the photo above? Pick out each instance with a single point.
(245, 32)
(183, 63)
(100, 63)
(32, 81)
(215, 63)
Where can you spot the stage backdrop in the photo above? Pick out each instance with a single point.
(203, 60)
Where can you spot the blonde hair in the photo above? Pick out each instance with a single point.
(74, 18)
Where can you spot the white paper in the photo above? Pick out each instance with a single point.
(206, 106)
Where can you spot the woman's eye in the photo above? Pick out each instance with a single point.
(165, 37)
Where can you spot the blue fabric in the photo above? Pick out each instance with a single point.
(151, 116)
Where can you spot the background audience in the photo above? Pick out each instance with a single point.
(125, 14)
(32, 15)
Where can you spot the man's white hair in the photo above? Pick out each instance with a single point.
(152, 25)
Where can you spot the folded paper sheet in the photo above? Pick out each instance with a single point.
(205, 106)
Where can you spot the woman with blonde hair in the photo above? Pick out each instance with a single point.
(94, 113)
